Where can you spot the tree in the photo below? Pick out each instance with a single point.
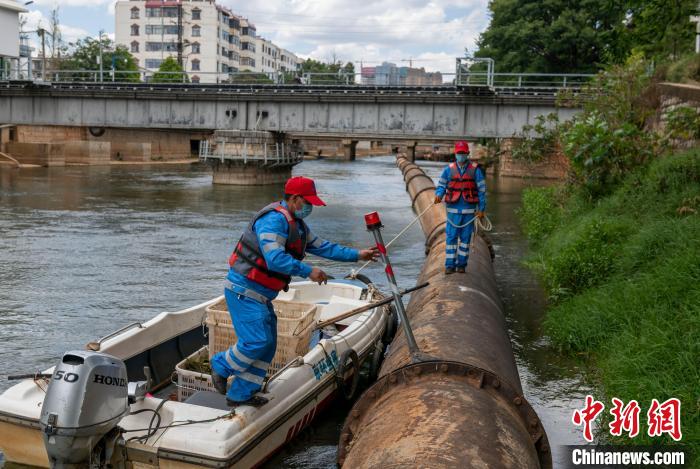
(170, 71)
(343, 73)
(84, 56)
(552, 36)
(661, 28)
(577, 36)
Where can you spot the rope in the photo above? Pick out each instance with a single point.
(353, 272)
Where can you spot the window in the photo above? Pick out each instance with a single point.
(153, 63)
(134, 29)
(196, 31)
(134, 47)
(195, 48)
(224, 52)
(135, 13)
(157, 29)
(170, 12)
(195, 65)
(195, 79)
(196, 14)
(153, 12)
(161, 46)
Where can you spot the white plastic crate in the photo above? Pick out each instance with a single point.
(190, 382)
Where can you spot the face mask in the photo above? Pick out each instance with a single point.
(462, 157)
(304, 212)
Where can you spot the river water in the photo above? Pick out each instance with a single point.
(86, 250)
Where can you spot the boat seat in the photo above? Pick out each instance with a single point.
(210, 399)
(290, 295)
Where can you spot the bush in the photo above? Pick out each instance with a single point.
(685, 70)
(625, 272)
(537, 141)
(601, 154)
(540, 211)
(585, 259)
(683, 123)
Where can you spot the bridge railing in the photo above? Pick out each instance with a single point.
(472, 79)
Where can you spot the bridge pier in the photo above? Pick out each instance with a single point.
(411, 151)
(250, 158)
(350, 149)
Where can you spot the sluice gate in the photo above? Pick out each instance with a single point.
(464, 406)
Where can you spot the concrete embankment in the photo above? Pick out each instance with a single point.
(463, 407)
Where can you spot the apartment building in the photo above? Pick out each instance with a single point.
(204, 35)
(214, 42)
(271, 58)
(248, 46)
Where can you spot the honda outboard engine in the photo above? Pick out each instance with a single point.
(84, 402)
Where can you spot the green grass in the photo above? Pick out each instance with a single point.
(623, 276)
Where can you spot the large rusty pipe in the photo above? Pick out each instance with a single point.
(465, 406)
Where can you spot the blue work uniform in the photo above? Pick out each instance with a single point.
(250, 304)
(458, 236)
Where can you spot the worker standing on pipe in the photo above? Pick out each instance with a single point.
(463, 188)
(268, 254)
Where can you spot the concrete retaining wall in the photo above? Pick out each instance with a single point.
(42, 154)
(85, 152)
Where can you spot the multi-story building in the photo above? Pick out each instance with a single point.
(208, 39)
(204, 36)
(9, 38)
(248, 46)
(272, 59)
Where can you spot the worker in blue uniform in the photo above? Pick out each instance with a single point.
(463, 188)
(270, 251)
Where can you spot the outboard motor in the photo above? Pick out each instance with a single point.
(86, 399)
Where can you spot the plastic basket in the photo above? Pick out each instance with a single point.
(190, 382)
(293, 330)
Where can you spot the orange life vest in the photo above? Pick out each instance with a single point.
(248, 259)
(462, 185)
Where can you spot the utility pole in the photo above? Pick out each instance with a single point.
(101, 67)
(696, 20)
(42, 31)
(179, 33)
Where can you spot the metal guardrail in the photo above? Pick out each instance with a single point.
(463, 79)
(265, 154)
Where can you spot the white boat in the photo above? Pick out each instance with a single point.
(201, 431)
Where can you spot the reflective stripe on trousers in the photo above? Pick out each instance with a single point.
(250, 357)
(458, 239)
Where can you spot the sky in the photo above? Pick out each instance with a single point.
(431, 34)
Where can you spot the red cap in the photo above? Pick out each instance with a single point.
(304, 187)
(372, 219)
(461, 147)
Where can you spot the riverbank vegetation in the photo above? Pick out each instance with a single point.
(618, 248)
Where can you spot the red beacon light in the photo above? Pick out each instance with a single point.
(372, 220)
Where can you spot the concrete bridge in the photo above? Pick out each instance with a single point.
(430, 114)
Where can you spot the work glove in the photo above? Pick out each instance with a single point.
(438, 200)
(480, 215)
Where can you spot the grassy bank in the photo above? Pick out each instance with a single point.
(623, 274)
